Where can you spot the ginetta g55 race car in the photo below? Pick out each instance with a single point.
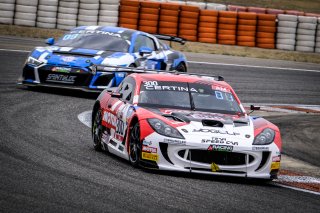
(68, 63)
(187, 123)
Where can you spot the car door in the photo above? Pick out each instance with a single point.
(148, 60)
(119, 109)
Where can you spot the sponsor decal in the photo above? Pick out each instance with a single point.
(174, 141)
(275, 165)
(186, 131)
(61, 69)
(96, 32)
(276, 158)
(219, 141)
(61, 78)
(223, 132)
(68, 58)
(153, 85)
(206, 116)
(247, 136)
(220, 88)
(215, 167)
(260, 148)
(149, 149)
(105, 137)
(220, 148)
(150, 156)
(147, 143)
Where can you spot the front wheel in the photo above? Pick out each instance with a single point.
(135, 145)
(97, 130)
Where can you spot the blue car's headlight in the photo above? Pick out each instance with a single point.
(164, 129)
(34, 62)
(265, 137)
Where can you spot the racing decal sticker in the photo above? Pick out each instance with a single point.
(219, 95)
(174, 141)
(220, 148)
(214, 167)
(150, 156)
(156, 85)
(275, 165)
(222, 132)
(66, 79)
(216, 140)
(61, 69)
(260, 148)
(220, 88)
(68, 58)
(149, 149)
(276, 158)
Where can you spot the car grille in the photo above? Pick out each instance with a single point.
(28, 73)
(218, 157)
(104, 80)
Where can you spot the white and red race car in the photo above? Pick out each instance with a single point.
(185, 122)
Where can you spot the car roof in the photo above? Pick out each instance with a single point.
(178, 78)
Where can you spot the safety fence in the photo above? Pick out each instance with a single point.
(194, 21)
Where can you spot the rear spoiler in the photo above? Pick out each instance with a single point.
(129, 70)
(170, 38)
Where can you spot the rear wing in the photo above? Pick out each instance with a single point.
(170, 38)
(129, 70)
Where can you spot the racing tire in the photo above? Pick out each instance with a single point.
(209, 19)
(135, 145)
(189, 8)
(207, 25)
(266, 17)
(274, 11)
(97, 131)
(210, 13)
(284, 17)
(181, 68)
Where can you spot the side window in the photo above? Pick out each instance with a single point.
(144, 41)
(127, 89)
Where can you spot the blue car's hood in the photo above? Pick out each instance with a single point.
(75, 57)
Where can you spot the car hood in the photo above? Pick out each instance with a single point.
(77, 57)
(207, 127)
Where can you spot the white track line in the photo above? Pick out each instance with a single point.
(85, 118)
(23, 51)
(211, 63)
(253, 66)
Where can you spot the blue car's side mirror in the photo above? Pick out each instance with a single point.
(50, 41)
(145, 51)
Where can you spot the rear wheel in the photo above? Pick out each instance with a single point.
(181, 68)
(135, 145)
(97, 131)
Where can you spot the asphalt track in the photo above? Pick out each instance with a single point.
(48, 163)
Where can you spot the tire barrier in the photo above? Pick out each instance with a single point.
(207, 27)
(88, 12)
(26, 13)
(266, 29)
(47, 13)
(246, 33)
(149, 16)
(194, 21)
(108, 13)
(306, 34)
(227, 27)
(67, 14)
(188, 22)
(287, 27)
(317, 48)
(169, 18)
(7, 11)
(129, 14)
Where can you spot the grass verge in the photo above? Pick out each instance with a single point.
(195, 47)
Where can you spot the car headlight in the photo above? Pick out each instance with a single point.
(33, 61)
(265, 137)
(164, 129)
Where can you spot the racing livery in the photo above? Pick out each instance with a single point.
(69, 61)
(185, 122)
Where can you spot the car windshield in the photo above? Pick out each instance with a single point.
(97, 40)
(189, 96)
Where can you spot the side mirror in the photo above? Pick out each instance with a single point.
(116, 95)
(253, 108)
(145, 51)
(50, 41)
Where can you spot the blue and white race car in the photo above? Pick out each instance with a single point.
(70, 62)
